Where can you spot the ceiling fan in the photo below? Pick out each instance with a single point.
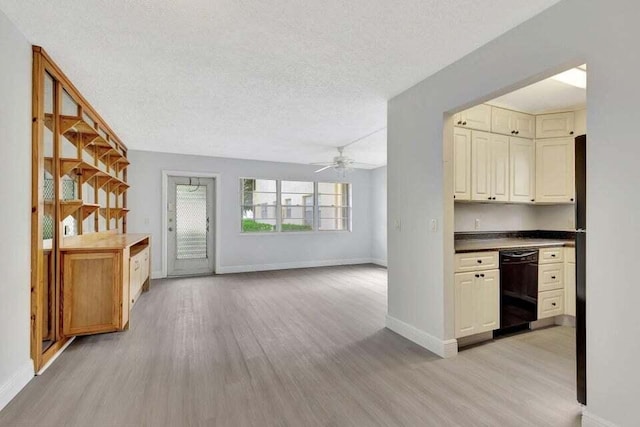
(341, 163)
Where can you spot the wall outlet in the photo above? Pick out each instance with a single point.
(434, 225)
(397, 225)
(477, 224)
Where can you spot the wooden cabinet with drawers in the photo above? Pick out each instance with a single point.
(102, 276)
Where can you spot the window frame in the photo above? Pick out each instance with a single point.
(315, 208)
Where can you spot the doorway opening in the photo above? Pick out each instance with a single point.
(515, 172)
(190, 224)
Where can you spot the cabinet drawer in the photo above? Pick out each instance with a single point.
(550, 277)
(474, 261)
(551, 255)
(550, 303)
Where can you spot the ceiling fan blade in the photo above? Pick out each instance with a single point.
(370, 165)
(324, 168)
(321, 163)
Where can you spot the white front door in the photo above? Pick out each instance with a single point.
(190, 226)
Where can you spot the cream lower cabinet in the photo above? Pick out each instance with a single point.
(570, 282)
(477, 298)
(551, 282)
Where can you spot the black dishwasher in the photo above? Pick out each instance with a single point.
(518, 290)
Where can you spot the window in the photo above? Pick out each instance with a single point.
(259, 205)
(285, 206)
(292, 196)
(334, 205)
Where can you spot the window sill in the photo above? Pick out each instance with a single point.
(287, 233)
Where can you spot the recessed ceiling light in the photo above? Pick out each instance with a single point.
(574, 77)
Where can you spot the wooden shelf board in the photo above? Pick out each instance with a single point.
(116, 213)
(88, 209)
(86, 170)
(77, 124)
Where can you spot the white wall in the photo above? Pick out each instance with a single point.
(249, 252)
(512, 217)
(379, 215)
(601, 34)
(16, 367)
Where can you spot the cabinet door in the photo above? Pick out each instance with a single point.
(523, 124)
(522, 170)
(480, 166)
(570, 283)
(501, 121)
(555, 174)
(461, 164)
(91, 297)
(465, 304)
(499, 167)
(555, 125)
(135, 278)
(478, 117)
(487, 299)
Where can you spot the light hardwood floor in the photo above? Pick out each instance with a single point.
(293, 348)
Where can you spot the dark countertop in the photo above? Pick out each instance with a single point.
(496, 244)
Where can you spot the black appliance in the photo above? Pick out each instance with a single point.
(581, 238)
(518, 290)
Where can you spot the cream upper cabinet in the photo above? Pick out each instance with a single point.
(499, 167)
(509, 122)
(478, 117)
(480, 166)
(461, 164)
(555, 125)
(489, 167)
(477, 302)
(501, 121)
(555, 174)
(524, 125)
(522, 170)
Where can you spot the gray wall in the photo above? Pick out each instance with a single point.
(16, 367)
(379, 215)
(602, 33)
(248, 252)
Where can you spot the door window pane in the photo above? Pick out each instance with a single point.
(192, 221)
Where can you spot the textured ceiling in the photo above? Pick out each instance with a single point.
(544, 96)
(271, 80)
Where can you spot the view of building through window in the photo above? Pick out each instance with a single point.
(270, 205)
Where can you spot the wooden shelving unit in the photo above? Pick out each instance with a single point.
(79, 190)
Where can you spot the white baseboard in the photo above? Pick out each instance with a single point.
(290, 265)
(443, 348)
(15, 383)
(380, 262)
(157, 275)
(591, 420)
